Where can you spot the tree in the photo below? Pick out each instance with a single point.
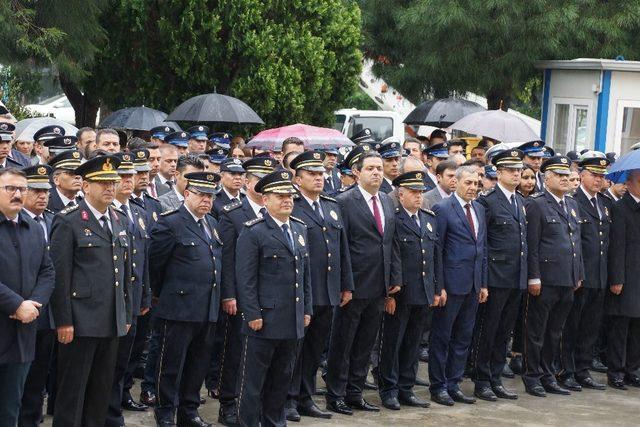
(439, 47)
(290, 61)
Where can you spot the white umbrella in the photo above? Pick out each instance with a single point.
(27, 127)
(497, 124)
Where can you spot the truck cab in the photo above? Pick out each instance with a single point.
(383, 124)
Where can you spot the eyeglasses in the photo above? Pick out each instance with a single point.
(11, 189)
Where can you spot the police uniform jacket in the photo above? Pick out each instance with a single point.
(506, 240)
(45, 320)
(385, 187)
(140, 282)
(55, 202)
(93, 273)
(151, 206)
(169, 201)
(624, 258)
(553, 240)
(594, 233)
(26, 272)
(274, 281)
(334, 179)
(221, 201)
(328, 249)
(420, 257)
(185, 268)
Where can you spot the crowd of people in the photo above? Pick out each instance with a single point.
(184, 258)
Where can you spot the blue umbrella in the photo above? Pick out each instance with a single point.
(626, 163)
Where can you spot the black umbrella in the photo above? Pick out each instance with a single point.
(136, 118)
(215, 108)
(442, 113)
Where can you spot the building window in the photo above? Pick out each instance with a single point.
(570, 126)
(630, 128)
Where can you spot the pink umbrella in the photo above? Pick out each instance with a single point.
(312, 136)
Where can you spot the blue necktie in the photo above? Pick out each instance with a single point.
(287, 236)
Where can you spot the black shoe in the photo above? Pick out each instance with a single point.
(193, 422)
(362, 405)
(535, 390)
(422, 383)
(443, 398)
(391, 403)
(148, 398)
(313, 411)
(423, 356)
(292, 415)
(507, 372)
(617, 383)
(588, 382)
(339, 407)
(227, 416)
(632, 380)
(570, 383)
(370, 386)
(165, 423)
(460, 397)
(485, 393)
(516, 364)
(214, 393)
(413, 400)
(554, 388)
(598, 366)
(132, 405)
(503, 393)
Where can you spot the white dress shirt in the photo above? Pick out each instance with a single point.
(98, 215)
(368, 198)
(474, 217)
(256, 207)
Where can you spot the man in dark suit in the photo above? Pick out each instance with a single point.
(368, 219)
(446, 175)
(232, 181)
(555, 270)
(184, 265)
(174, 198)
(165, 179)
(507, 275)
(274, 295)
(140, 290)
(91, 303)
(391, 152)
(232, 220)
(331, 280)
(406, 312)
(35, 205)
(26, 283)
(462, 234)
(582, 327)
(66, 182)
(623, 299)
(332, 183)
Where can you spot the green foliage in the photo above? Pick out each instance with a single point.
(18, 83)
(360, 101)
(291, 61)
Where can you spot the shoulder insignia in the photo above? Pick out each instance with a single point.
(232, 206)
(536, 195)
(53, 213)
(569, 196)
(169, 212)
(489, 191)
(151, 197)
(118, 210)
(298, 220)
(429, 211)
(69, 209)
(253, 222)
(605, 195)
(296, 196)
(331, 199)
(520, 193)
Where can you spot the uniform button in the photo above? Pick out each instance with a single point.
(521, 253)
(297, 285)
(117, 284)
(192, 244)
(115, 269)
(133, 279)
(424, 274)
(601, 253)
(600, 233)
(297, 299)
(423, 251)
(74, 294)
(211, 247)
(296, 257)
(90, 244)
(297, 271)
(574, 255)
(275, 256)
(329, 268)
(134, 265)
(214, 258)
(424, 262)
(115, 257)
(327, 241)
(135, 251)
(329, 255)
(324, 228)
(214, 285)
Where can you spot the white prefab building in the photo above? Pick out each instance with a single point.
(591, 103)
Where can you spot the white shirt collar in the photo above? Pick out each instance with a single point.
(460, 200)
(96, 213)
(31, 214)
(180, 196)
(162, 179)
(195, 218)
(411, 214)
(256, 207)
(389, 181)
(65, 200)
(310, 201)
(280, 223)
(586, 193)
(613, 196)
(637, 199)
(229, 194)
(506, 192)
(367, 196)
(556, 198)
(443, 193)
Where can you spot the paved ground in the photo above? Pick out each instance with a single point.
(588, 408)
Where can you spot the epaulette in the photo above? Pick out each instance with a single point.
(605, 195)
(253, 222)
(536, 195)
(53, 213)
(151, 197)
(69, 209)
(569, 196)
(231, 206)
(487, 192)
(429, 211)
(520, 193)
(165, 213)
(331, 199)
(298, 220)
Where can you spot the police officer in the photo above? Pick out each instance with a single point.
(184, 265)
(232, 219)
(365, 136)
(331, 280)
(507, 275)
(140, 196)
(534, 154)
(91, 303)
(232, 181)
(555, 270)
(180, 140)
(274, 295)
(41, 136)
(198, 139)
(391, 152)
(35, 205)
(158, 134)
(66, 181)
(432, 156)
(332, 182)
(406, 312)
(140, 290)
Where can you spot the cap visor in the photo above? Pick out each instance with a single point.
(39, 186)
(314, 168)
(207, 190)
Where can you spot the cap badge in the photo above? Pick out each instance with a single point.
(316, 156)
(514, 153)
(57, 130)
(200, 128)
(367, 132)
(210, 177)
(333, 215)
(284, 175)
(183, 134)
(393, 145)
(140, 154)
(563, 160)
(67, 141)
(267, 162)
(4, 126)
(419, 175)
(126, 158)
(107, 165)
(536, 144)
(603, 163)
(75, 154)
(301, 240)
(42, 171)
(236, 161)
(365, 147)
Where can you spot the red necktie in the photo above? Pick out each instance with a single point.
(376, 215)
(152, 186)
(470, 218)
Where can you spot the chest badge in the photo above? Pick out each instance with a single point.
(84, 215)
(141, 222)
(573, 212)
(301, 240)
(429, 227)
(334, 215)
(606, 211)
(87, 232)
(215, 233)
(155, 216)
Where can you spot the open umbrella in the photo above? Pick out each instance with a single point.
(136, 118)
(215, 108)
(312, 136)
(27, 127)
(442, 112)
(619, 170)
(497, 124)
